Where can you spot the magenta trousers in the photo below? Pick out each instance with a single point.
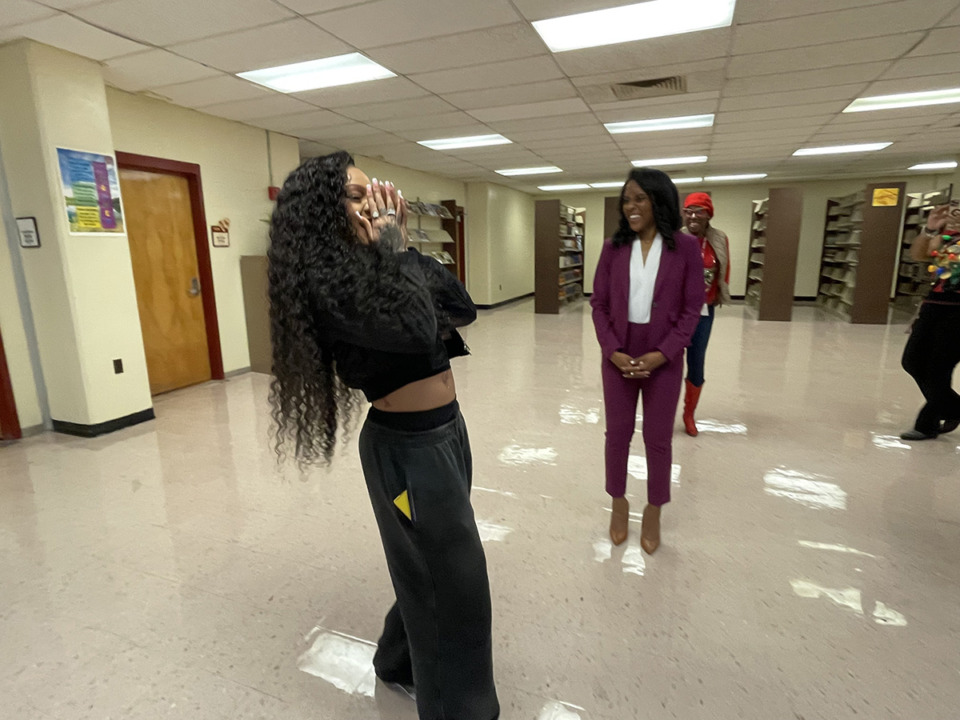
(661, 393)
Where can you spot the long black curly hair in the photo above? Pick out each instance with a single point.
(666, 206)
(318, 268)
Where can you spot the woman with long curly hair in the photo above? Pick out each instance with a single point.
(647, 296)
(355, 313)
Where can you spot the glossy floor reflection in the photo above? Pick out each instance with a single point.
(810, 566)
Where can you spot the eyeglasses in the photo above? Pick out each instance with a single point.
(696, 213)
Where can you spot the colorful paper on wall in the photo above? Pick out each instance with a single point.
(886, 197)
(91, 192)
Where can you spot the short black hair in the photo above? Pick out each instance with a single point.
(666, 206)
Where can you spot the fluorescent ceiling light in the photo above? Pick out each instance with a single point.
(685, 122)
(641, 21)
(839, 149)
(473, 141)
(530, 171)
(559, 188)
(605, 185)
(665, 162)
(686, 181)
(315, 74)
(949, 165)
(727, 178)
(905, 100)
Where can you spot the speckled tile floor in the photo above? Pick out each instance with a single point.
(810, 567)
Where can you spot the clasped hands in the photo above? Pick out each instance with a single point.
(639, 368)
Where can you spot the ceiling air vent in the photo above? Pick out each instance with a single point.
(676, 85)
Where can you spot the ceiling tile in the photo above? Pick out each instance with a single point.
(544, 9)
(546, 123)
(789, 98)
(765, 10)
(905, 118)
(151, 69)
(283, 43)
(507, 42)
(308, 7)
(395, 21)
(626, 112)
(822, 56)
(891, 18)
(399, 108)
(311, 148)
(384, 91)
(341, 134)
(645, 53)
(210, 91)
(491, 75)
(517, 112)
(298, 123)
(913, 67)
(174, 21)
(806, 79)
(16, 12)
(780, 112)
(513, 95)
(72, 35)
(746, 125)
(628, 75)
(422, 122)
(914, 84)
(270, 106)
(582, 132)
(69, 4)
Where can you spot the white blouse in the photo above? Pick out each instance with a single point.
(643, 279)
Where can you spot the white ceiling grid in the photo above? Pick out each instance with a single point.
(777, 80)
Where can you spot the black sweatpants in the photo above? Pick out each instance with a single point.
(931, 354)
(437, 635)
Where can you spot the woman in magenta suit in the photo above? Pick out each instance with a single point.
(647, 297)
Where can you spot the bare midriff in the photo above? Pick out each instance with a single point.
(427, 394)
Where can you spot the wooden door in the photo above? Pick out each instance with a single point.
(9, 421)
(163, 248)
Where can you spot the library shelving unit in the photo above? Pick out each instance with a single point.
(913, 279)
(860, 247)
(559, 255)
(437, 230)
(774, 245)
(758, 246)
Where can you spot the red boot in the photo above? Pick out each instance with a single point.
(689, 405)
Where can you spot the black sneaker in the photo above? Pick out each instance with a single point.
(948, 426)
(917, 435)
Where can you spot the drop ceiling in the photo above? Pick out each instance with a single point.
(777, 80)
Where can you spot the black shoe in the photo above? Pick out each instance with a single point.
(948, 426)
(917, 435)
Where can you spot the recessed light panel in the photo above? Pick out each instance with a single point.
(841, 149)
(667, 162)
(561, 188)
(685, 122)
(516, 172)
(639, 21)
(472, 141)
(316, 74)
(905, 100)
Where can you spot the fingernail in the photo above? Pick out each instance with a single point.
(370, 187)
(374, 181)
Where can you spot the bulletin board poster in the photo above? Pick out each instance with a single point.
(91, 192)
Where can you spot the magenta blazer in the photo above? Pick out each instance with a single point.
(678, 297)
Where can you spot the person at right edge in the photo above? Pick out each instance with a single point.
(933, 350)
(647, 296)
(715, 249)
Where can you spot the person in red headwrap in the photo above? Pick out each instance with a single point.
(715, 249)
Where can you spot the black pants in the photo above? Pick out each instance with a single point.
(437, 635)
(931, 354)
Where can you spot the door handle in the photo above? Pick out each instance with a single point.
(194, 287)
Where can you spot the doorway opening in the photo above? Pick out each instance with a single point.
(167, 231)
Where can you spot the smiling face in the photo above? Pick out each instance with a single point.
(637, 208)
(697, 220)
(356, 202)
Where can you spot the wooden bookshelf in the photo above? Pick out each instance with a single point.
(860, 249)
(913, 279)
(774, 245)
(559, 255)
(439, 233)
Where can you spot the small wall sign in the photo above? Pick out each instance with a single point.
(29, 235)
(886, 197)
(220, 233)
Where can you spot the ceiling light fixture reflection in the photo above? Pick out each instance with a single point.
(530, 171)
(733, 178)
(640, 21)
(561, 188)
(946, 96)
(840, 149)
(948, 165)
(682, 122)
(316, 74)
(606, 185)
(472, 141)
(687, 180)
(666, 162)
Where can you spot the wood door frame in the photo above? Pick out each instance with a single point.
(9, 420)
(191, 173)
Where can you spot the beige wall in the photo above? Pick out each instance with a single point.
(501, 233)
(15, 338)
(235, 171)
